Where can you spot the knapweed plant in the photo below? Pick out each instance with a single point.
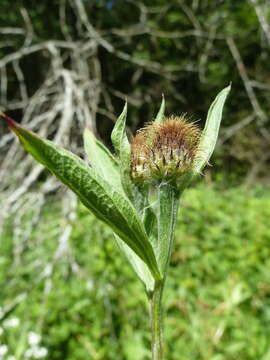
(136, 191)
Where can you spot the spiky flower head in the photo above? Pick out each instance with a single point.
(164, 151)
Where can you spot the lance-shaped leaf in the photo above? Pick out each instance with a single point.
(167, 213)
(138, 265)
(102, 160)
(118, 136)
(94, 192)
(122, 148)
(106, 165)
(210, 132)
(160, 115)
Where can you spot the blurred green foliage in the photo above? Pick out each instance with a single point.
(86, 303)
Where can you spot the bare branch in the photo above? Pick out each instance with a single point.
(249, 89)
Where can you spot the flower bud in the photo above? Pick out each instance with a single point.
(164, 151)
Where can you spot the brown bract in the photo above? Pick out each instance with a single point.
(164, 151)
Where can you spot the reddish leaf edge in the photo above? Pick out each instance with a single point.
(10, 122)
(15, 127)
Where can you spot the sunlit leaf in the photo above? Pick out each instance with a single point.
(138, 265)
(210, 132)
(118, 136)
(160, 116)
(122, 148)
(166, 214)
(102, 160)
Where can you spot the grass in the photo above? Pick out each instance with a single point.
(87, 302)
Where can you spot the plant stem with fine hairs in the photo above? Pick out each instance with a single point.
(156, 321)
(166, 218)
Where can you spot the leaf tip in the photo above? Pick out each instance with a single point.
(10, 122)
(163, 101)
(228, 88)
(87, 130)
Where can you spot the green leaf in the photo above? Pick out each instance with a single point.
(160, 116)
(95, 193)
(102, 160)
(210, 132)
(166, 219)
(106, 165)
(138, 265)
(118, 136)
(122, 148)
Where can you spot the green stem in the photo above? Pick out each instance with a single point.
(156, 321)
(167, 213)
(166, 217)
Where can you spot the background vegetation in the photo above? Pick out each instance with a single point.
(66, 291)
